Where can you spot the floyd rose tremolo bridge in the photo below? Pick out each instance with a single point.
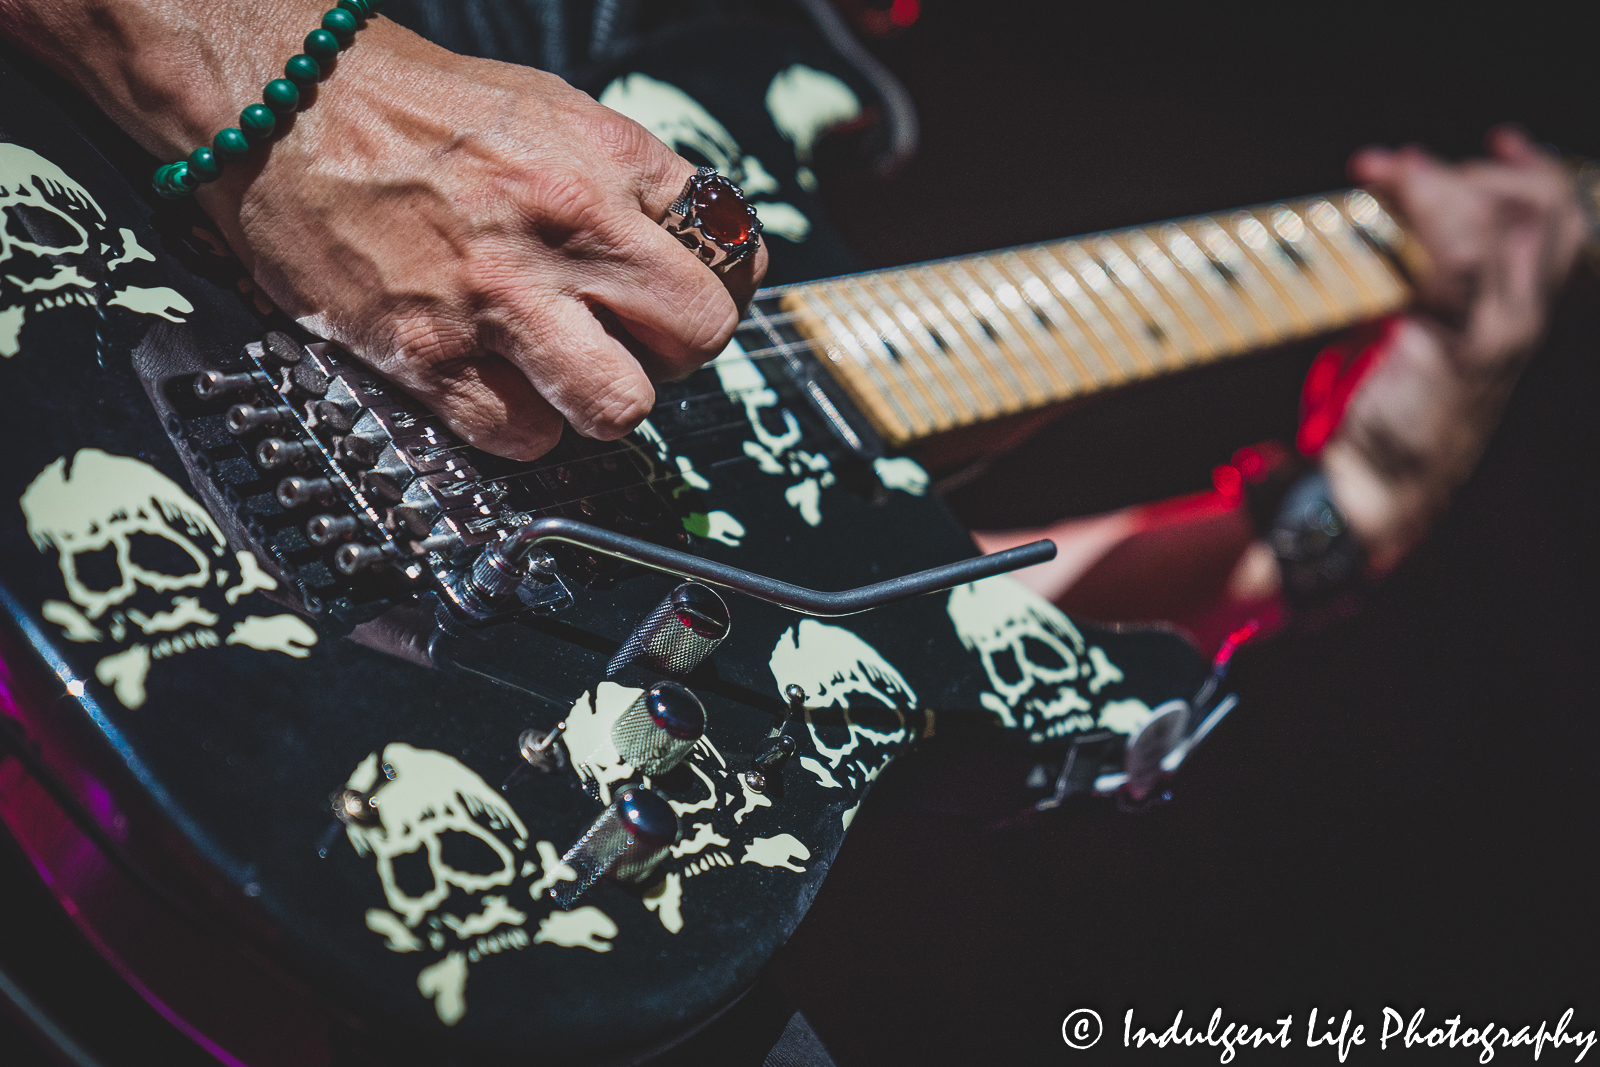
(363, 498)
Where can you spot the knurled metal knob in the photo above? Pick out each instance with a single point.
(660, 728)
(677, 635)
(627, 841)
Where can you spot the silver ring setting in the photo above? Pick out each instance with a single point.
(713, 220)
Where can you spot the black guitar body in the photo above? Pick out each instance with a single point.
(194, 678)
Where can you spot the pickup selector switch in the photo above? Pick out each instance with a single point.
(677, 635)
(628, 839)
(660, 728)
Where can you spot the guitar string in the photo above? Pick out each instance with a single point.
(758, 320)
(753, 356)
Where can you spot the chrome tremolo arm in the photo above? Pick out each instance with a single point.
(501, 567)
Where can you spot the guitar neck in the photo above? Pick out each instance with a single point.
(942, 345)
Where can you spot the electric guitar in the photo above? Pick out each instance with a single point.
(332, 731)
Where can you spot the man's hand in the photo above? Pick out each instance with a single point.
(480, 233)
(1500, 236)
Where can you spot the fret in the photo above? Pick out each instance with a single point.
(1368, 216)
(1317, 264)
(1043, 347)
(928, 348)
(1249, 327)
(858, 335)
(887, 396)
(1211, 333)
(1123, 319)
(1174, 337)
(916, 387)
(1010, 344)
(1382, 291)
(1077, 347)
(923, 321)
(926, 372)
(950, 339)
(986, 346)
(852, 368)
(1110, 345)
(1281, 271)
(1226, 253)
(895, 319)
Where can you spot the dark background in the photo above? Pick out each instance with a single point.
(1400, 812)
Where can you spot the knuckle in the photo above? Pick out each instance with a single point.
(422, 346)
(619, 135)
(616, 410)
(712, 317)
(564, 205)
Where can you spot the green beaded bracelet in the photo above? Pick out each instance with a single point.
(341, 23)
(258, 122)
(321, 45)
(231, 144)
(303, 70)
(281, 97)
(204, 165)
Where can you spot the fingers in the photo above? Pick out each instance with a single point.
(673, 304)
(1371, 165)
(1443, 212)
(663, 182)
(584, 373)
(1511, 145)
(489, 404)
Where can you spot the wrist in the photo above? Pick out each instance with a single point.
(167, 72)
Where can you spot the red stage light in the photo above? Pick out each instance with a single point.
(904, 12)
(1228, 481)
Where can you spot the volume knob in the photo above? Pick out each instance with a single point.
(628, 839)
(677, 635)
(660, 728)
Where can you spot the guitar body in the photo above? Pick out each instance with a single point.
(193, 696)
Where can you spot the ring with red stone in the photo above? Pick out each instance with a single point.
(714, 221)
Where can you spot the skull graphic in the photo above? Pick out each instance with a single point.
(128, 540)
(710, 801)
(856, 703)
(425, 801)
(776, 435)
(56, 250)
(804, 103)
(112, 502)
(1032, 656)
(443, 841)
(679, 120)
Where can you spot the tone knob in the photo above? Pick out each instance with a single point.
(628, 839)
(677, 635)
(660, 728)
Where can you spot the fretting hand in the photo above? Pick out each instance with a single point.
(1501, 236)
